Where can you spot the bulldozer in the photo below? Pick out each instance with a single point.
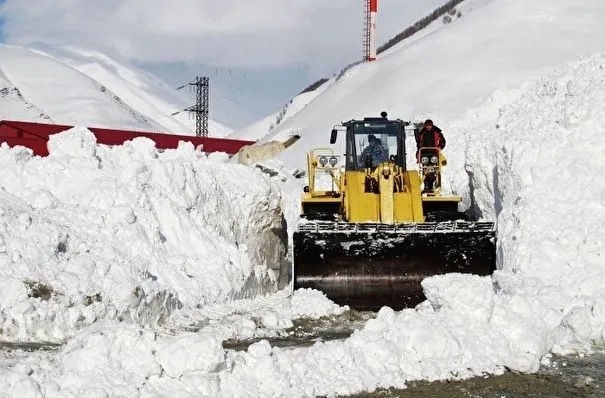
(372, 228)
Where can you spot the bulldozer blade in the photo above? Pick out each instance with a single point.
(368, 266)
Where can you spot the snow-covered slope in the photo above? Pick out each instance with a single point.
(263, 127)
(72, 86)
(12, 103)
(63, 94)
(495, 44)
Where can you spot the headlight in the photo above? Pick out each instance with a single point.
(434, 159)
(424, 160)
(333, 161)
(323, 161)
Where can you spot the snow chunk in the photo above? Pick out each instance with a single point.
(12, 291)
(116, 348)
(75, 142)
(194, 352)
(469, 295)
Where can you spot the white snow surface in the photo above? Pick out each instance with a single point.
(127, 231)
(529, 168)
(149, 232)
(496, 44)
(67, 85)
(263, 127)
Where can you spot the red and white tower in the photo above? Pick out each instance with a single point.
(370, 30)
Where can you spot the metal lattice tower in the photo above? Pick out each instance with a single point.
(202, 98)
(201, 109)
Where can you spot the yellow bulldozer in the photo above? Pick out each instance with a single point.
(371, 231)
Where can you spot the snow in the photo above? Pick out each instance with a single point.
(495, 45)
(71, 86)
(263, 127)
(155, 258)
(127, 223)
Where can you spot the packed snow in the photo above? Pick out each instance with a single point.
(124, 231)
(140, 263)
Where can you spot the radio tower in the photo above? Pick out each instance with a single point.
(202, 104)
(369, 39)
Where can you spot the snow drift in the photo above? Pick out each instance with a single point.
(128, 231)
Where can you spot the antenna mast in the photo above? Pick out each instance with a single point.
(369, 41)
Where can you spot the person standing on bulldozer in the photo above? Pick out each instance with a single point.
(430, 136)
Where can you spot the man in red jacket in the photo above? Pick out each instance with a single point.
(430, 136)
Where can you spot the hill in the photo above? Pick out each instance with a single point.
(447, 69)
(76, 87)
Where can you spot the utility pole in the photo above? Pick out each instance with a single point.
(369, 37)
(202, 104)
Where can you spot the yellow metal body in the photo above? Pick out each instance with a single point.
(425, 170)
(386, 194)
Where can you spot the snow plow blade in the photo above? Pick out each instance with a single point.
(368, 266)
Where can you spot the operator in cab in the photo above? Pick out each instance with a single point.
(375, 153)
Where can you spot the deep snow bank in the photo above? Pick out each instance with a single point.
(533, 157)
(126, 231)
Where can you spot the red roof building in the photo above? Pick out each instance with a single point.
(35, 136)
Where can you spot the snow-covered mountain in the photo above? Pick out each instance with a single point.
(448, 68)
(263, 127)
(72, 86)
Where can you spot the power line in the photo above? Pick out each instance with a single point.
(202, 104)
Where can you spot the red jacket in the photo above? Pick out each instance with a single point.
(433, 138)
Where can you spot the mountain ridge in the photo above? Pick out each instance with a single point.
(72, 86)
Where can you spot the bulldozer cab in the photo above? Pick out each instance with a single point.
(373, 141)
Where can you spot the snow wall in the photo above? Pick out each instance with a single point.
(93, 232)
